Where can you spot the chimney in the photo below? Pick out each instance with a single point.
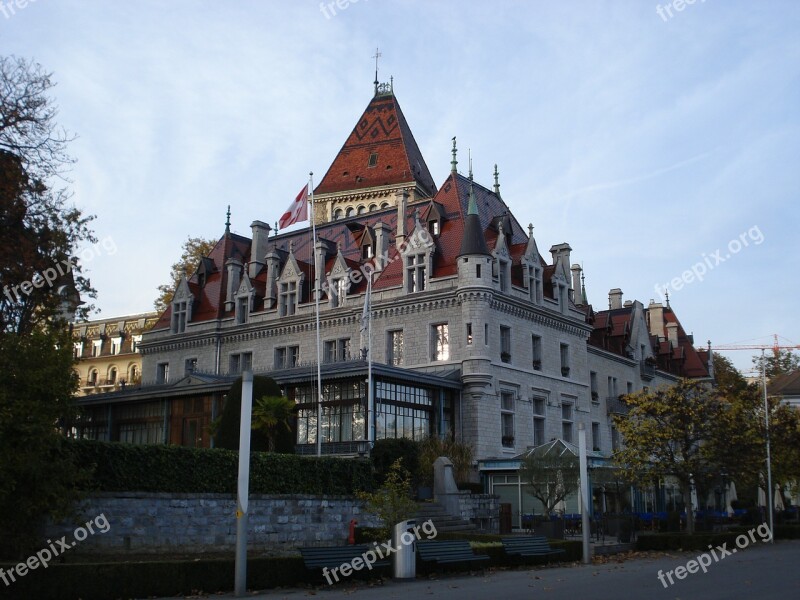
(401, 198)
(614, 298)
(560, 253)
(576, 283)
(322, 250)
(382, 231)
(234, 267)
(672, 333)
(273, 261)
(258, 248)
(627, 303)
(655, 311)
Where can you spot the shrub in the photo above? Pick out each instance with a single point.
(177, 469)
(386, 452)
(433, 447)
(392, 502)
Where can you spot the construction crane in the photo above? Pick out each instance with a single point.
(776, 348)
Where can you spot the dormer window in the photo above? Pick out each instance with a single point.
(242, 309)
(433, 227)
(373, 159)
(201, 279)
(535, 284)
(179, 316)
(415, 272)
(367, 252)
(339, 292)
(287, 299)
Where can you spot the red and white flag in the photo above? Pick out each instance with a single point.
(297, 211)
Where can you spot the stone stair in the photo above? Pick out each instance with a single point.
(441, 520)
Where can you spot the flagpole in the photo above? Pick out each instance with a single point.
(318, 285)
(370, 393)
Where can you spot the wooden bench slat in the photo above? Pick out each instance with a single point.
(529, 546)
(448, 552)
(316, 557)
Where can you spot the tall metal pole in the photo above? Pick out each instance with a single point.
(243, 487)
(769, 461)
(584, 495)
(370, 393)
(318, 282)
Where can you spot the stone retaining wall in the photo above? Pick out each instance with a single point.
(187, 523)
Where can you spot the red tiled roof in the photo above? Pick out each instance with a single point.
(381, 130)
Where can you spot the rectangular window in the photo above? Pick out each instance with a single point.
(343, 349)
(629, 388)
(614, 439)
(287, 301)
(593, 386)
(538, 421)
(280, 358)
(189, 366)
(135, 341)
(612, 387)
(242, 308)
(478, 271)
(469, 334)
(97, 346)
(329, 351)
(486, 334)
(503, 275)
(536, 343)
(162, 373)
(179, 310)
(566, 421)
(294, 356)
(507, 418)
(115, 346)
(565, 360)
(415, 273)
(394, 347)
(596, 437)
(240, 362)
(440, 342)
(505, 344)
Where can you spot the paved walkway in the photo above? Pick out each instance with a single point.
(762, 572)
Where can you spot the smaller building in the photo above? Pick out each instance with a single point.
(787, 387)
(108, 352)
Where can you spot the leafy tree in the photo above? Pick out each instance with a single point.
(779, 362)
(270, 414)
(40, 230)
(391, 502)
(677, 432)
(39, 479)
(40, 233)
(193, 250)
(551, 473)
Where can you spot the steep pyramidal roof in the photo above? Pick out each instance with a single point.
(473, 241)
(381, 150)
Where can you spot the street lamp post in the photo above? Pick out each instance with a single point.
(769, 462)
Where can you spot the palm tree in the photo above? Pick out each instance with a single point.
(269, 414)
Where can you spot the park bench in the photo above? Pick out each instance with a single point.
(335, 556)
(525, 546)
(448, 551)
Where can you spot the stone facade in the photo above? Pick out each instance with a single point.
(144, 523)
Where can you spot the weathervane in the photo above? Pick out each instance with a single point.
(376, 57)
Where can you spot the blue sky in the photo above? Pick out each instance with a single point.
(650, 143)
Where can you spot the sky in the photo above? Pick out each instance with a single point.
(662, 144)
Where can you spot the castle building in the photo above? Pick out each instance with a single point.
(474, 333)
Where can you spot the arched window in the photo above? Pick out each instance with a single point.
(351, 211)
(362, 209)
(373, 207)
(385, 205)
(112, 376)
(338, 214)
(92, 377)
(134, 374)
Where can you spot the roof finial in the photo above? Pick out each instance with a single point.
(454, 162)
(496, 180)
(469, 152)
(228, 221)
(376, 57)
(583, 286)
(530, 229)
(666, 296)
(276, 228)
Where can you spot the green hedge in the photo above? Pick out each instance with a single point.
(176, 469)
(146, 579)
(682, 541)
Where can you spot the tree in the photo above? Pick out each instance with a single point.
(432, 447)
(40, 233)
(677, 432)
(392, 502)
(193, 251)
(270, 414)
(40, 230)
(39, 479)
(551, 473)
(226, 428)
(779, 362)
